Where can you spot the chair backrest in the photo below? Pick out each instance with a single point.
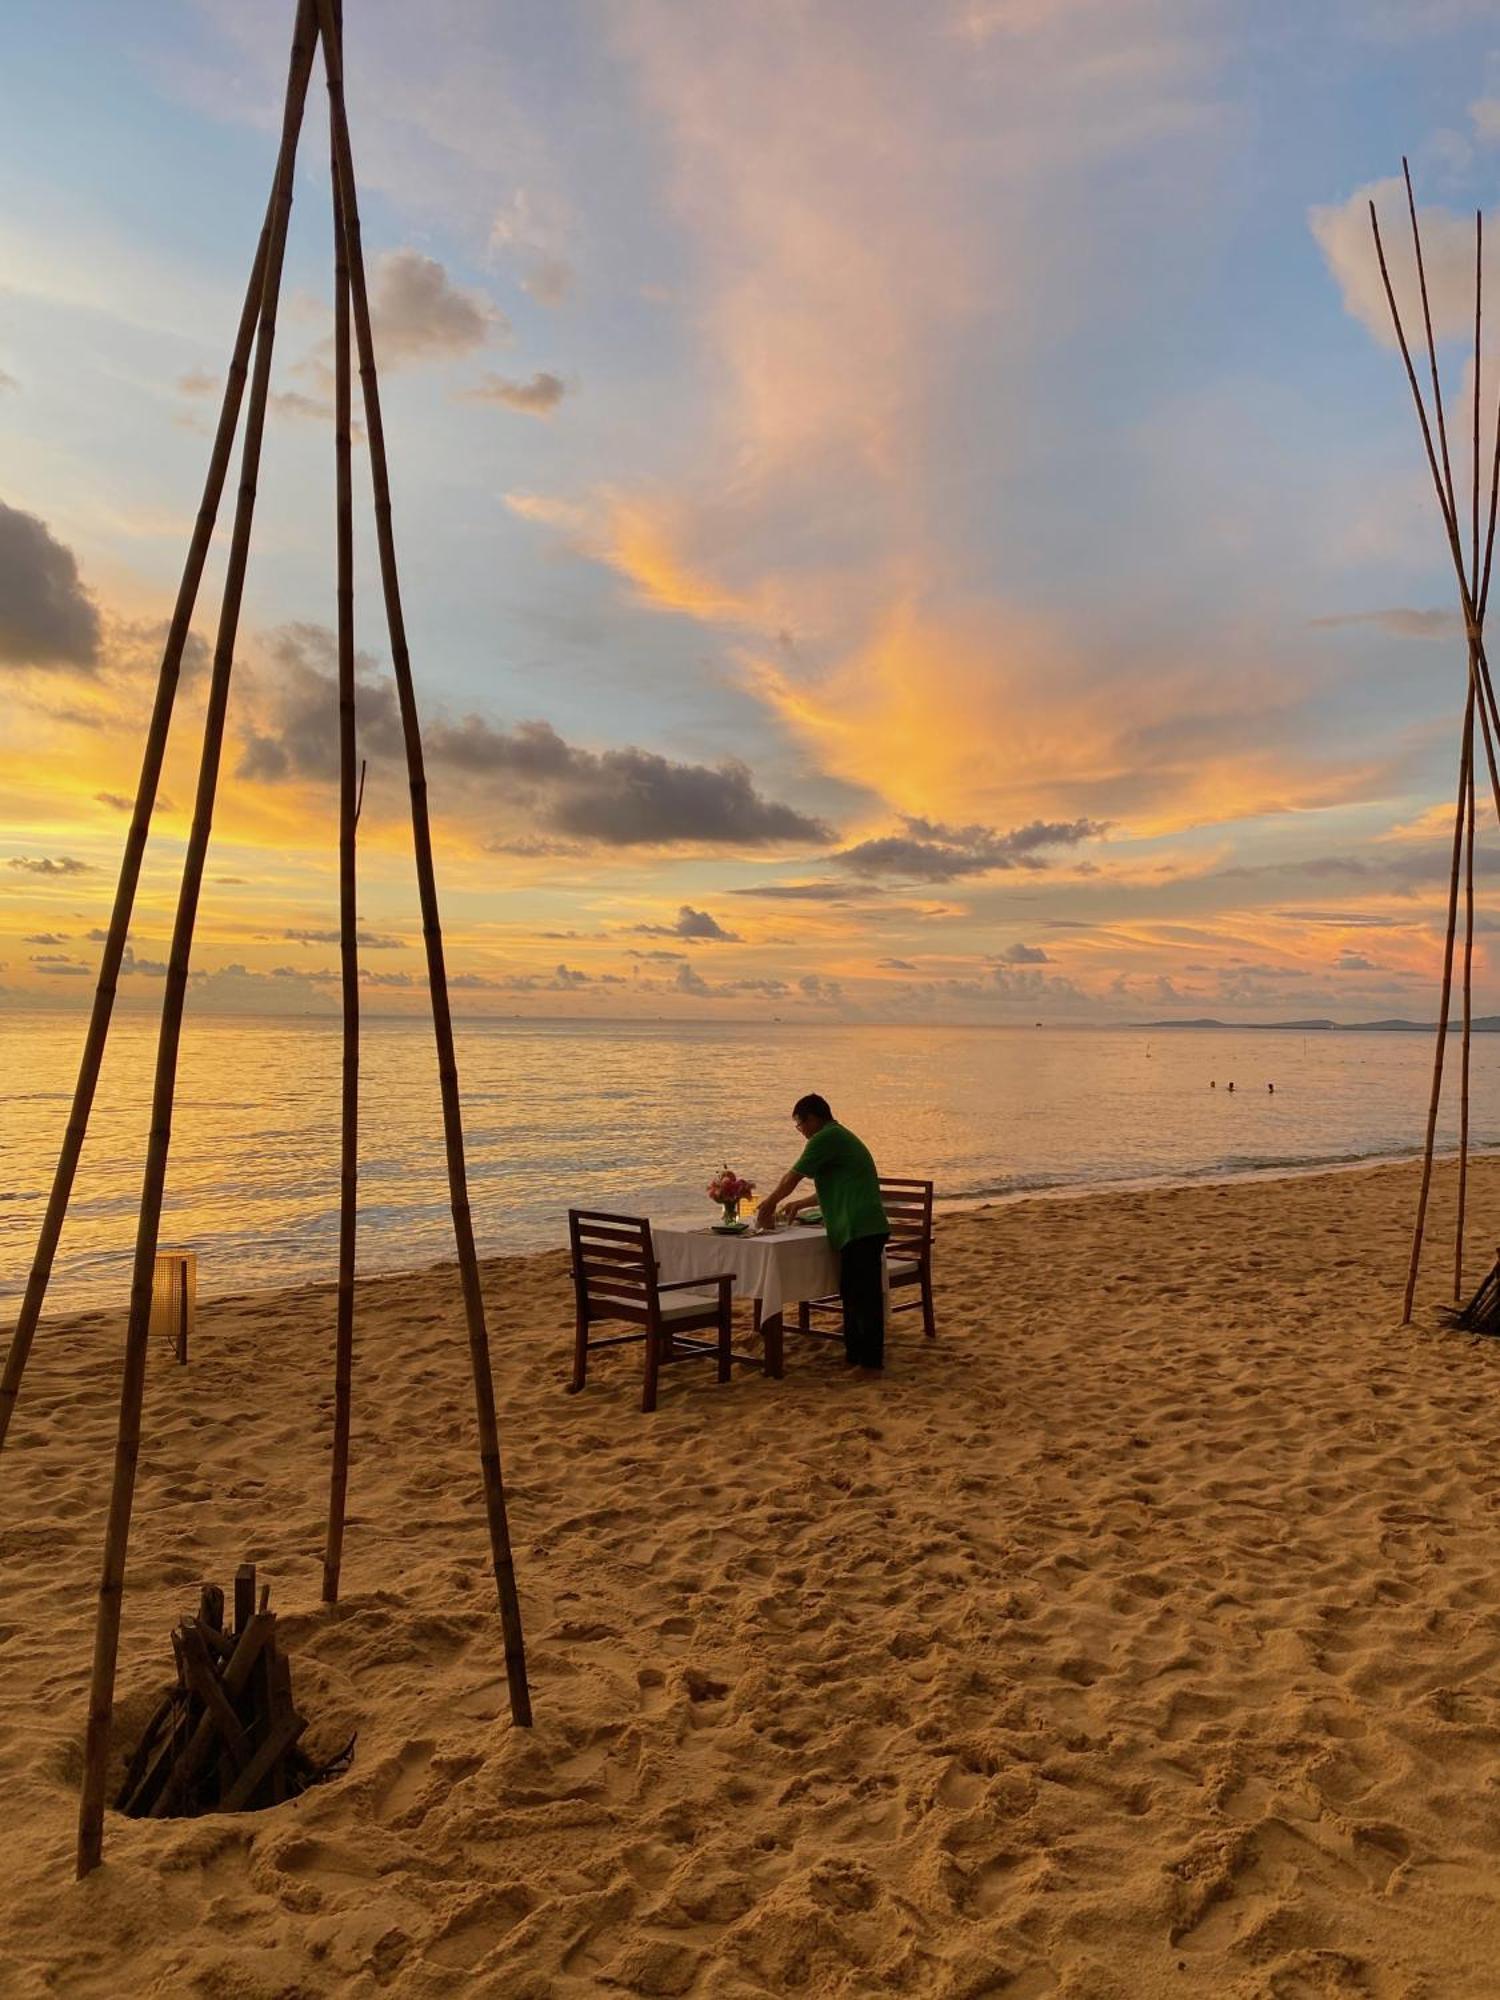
(908, 1209)
(614, 1265)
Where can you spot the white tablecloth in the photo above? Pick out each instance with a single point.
(778, 1269)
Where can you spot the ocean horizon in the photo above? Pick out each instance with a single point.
(636, 1116)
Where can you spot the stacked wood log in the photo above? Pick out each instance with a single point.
(227, 1737)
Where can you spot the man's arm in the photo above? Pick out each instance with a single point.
(767, 1209)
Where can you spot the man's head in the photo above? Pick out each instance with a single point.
(810, 1114)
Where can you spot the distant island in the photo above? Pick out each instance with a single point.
(1482, 1024)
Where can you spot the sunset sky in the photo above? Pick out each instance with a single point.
(907, 512)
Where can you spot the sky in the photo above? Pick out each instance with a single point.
(906, 513)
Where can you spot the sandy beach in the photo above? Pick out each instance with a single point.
(1137, 1637)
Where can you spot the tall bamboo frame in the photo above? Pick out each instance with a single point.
(315, 21)
(1473, 579)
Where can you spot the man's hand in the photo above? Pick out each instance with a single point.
(765, 1215)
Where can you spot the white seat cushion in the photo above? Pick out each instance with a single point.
(902, 1267)
(683, 1305)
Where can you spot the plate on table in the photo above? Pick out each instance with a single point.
(811, 1216)
(729, 1228)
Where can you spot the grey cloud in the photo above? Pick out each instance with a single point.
(810, 892)
(299, 710)
(930, 852)
(47, 618)
(1400, 619)
(367, 940)
(419, 314)
(150, 968)
(625, 798)
(1344, 920)
(293, 403)
(118, 802)
(386, 978)
(688, 981)
(63, 864)
(539, 397)
(1024, 954)
(895, 965)
(815, 987)
(614, 798)
(692, 924)
(658, 957)
(1353, 961)
(46, 937)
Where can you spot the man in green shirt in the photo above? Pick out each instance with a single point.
(843, 1172)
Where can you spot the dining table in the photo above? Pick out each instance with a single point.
(776, 1268)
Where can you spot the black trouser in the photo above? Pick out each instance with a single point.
(862, 1292)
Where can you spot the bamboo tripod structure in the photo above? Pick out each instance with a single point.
(316, 20)
(1473, 578)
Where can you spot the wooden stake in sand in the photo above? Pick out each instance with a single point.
(349, 803)
(442, 1021)
(127, 1446)
(1473, 587)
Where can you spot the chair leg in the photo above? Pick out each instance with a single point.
(929, 1318)
(804, 1318)
(653, 1363)
(725, 1365)
(580, 1354)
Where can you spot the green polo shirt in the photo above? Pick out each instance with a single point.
(843, 1172)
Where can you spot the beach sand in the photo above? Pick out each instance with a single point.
(1137, 1637)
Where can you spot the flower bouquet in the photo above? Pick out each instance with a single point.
(729, 1190)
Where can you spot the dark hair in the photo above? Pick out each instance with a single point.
(812, 1106)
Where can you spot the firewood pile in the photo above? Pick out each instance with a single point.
(227, 1737)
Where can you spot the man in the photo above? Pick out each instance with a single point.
(844, 1175)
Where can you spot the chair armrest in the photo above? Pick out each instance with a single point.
(697, 1284)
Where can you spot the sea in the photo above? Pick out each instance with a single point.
(637, 1116)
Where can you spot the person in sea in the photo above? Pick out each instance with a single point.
(848, 1193)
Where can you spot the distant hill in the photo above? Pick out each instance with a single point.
(1482, 1024)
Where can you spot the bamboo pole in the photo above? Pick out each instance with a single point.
(348, 908)
(113, 953)
(127, 1447)
(1463, 1090)
(1465, 783)
(1473, 619)
(1437, 387)
(1480, 687)
(1468, 982)
(442, 1021)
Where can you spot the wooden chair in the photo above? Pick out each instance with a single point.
(908, 1256)
(615, 1278)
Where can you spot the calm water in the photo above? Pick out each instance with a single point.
(638, 1117)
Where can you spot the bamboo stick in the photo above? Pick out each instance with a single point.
(1463, 1088)
(348, 907)
(442, 1022)
(113, 953)
(1479, 687)
(1479, 662)
(1468, 982)
(127, 1447)
(1465, 782)
(1437, 387)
